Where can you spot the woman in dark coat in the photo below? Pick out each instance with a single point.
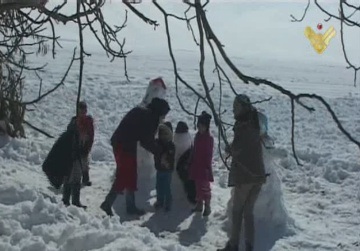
(64, 165)
(139, 125)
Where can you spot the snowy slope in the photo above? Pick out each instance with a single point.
(319, 201)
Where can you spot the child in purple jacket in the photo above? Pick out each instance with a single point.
(201, 164)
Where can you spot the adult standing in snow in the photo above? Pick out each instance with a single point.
(85, 123)
(139, 125)
(247, 173)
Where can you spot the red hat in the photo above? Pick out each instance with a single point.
(158, 81)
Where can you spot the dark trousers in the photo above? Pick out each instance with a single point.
(129, 198)
(163, 188)
(245, 197)
(85, 177)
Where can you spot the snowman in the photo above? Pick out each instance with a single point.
(145, 160)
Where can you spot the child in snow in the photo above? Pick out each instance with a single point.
(183, 147)
(201, 164)
(84, 123)
(83, 131)
(164, 164)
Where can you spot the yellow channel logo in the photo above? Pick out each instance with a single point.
(320, 41)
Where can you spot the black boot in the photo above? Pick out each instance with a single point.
(199, 207)
(66, 194)
(248, 246)
(76, 196)
(229, 247)
(130, 205)
(108, 202)
(191, 191)
(207, 210)
(86, 179)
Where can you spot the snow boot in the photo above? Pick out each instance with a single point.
(229, 247)
(158, 205)
(199, 207)
(76, 196)
(107, 209)
(207, 210)
(86, 179)
(66, 194)
(248, 246)
(135, 211)
(108, 202)
(191, 191)
(131, 208)
(167, 207)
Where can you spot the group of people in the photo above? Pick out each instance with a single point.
(141, 125)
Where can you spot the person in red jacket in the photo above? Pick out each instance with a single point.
(84, 123)
(139, 125)
(201, 164)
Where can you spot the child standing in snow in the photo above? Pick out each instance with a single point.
(201, 164)
(85, 124)
(83, 137)
(164, 164)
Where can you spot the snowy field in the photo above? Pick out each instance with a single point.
(311, 207)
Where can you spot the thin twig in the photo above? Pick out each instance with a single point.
(140, 15)
(37, 129)
(81, 42)
(56, 86)
(293, 131)
(294, 19)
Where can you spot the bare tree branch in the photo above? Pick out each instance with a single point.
(81, 42)
(18, 26)
(177, 76)
(37, 129)
(293, 131)
(41, 96)
(294, 19)
(205, 32)
(343, 20)
(333, 115)
(342, 17)
(346, 20)
(140, 15)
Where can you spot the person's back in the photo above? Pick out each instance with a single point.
(166, 154)
(137, 124)
(247, 163)
(164, 164)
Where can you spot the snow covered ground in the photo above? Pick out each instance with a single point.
(318, 202)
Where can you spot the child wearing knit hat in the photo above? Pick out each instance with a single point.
(201, 164)
(164, 164)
